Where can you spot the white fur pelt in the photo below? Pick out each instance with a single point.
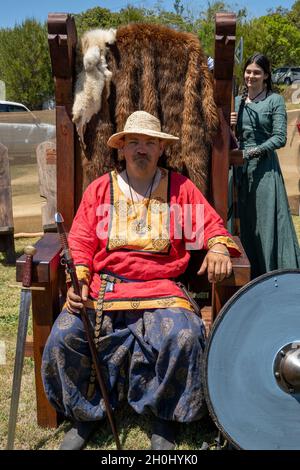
(93, 78)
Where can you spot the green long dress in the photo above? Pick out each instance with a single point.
(267, 230)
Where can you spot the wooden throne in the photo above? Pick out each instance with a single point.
(47, 271)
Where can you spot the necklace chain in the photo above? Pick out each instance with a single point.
(252, 99)
(144, 195)
(140, 224)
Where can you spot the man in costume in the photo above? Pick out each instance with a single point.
(131, 237)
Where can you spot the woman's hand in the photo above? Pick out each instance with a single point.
(218, 265)
(233, 118)
(75, 302)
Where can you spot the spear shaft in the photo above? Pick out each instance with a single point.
(84, 316)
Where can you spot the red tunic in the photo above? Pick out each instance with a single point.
(154, 268)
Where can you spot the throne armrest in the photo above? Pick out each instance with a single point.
(241, 269)
(236, 157)
(45, 261)
(241, 274)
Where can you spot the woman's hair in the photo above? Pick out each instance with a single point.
(263, 62)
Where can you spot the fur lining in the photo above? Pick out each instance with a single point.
(163, 72)
(93, 78)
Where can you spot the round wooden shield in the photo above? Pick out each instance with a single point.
(252, 364)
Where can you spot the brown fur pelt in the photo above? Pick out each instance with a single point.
(163, 72)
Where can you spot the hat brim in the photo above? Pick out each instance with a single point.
(116, 140)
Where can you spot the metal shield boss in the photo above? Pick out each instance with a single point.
(252, 366)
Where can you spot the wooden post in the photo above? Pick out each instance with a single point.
(6, 213)
(223, 74)
(62, 38)
(46, 159)
(224, 61)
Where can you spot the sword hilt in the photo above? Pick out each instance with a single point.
(27, 273)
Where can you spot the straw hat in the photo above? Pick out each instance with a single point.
(140, 122)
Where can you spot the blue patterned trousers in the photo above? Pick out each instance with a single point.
(152, 356)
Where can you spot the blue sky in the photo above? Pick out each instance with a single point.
(15, 11)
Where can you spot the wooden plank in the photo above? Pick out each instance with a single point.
(46, 160)
(78, 174)
(221, 294)
(224, 61)
(6, 212)
(220, 168)
(241, 275)
(7, 243)
(44, 309)
(241, 269)
(62, 38)
(223, 75)
(206, 314)
(236, 157)
(65, 166)
(29, 346)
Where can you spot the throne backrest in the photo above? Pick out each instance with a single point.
(163, 72)
(141, 80)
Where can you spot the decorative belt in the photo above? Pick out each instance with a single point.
(107, 285)
(108, 280)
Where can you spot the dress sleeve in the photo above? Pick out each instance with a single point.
(279, 126)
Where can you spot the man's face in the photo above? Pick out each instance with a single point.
(142, 152)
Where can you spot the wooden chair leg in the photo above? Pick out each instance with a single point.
(220, 295)
(43, 312)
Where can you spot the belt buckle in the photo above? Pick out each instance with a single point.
(109, 286)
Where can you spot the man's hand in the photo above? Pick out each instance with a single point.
(218, 265)
(74, 302)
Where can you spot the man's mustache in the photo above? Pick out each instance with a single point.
(138, 156)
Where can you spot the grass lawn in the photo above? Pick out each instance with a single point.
(134, 431)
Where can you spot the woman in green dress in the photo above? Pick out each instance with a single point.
(267, 231)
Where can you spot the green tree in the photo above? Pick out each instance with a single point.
(104, 18)
(178, 7)
(275, 36)
(294, 14)
(25, 63)
(205, 24)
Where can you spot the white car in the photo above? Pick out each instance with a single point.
(21, 131)
(286, 75)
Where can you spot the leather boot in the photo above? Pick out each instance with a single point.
(163, 436)
(77, 437)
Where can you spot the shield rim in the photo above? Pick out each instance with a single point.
(216, 322)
